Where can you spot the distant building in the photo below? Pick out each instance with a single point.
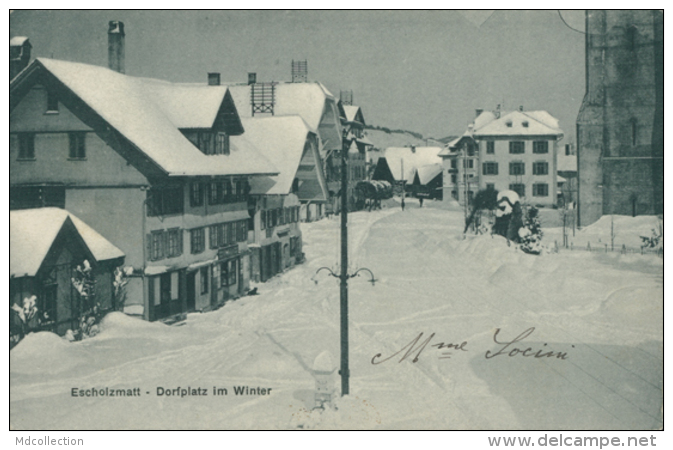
(309, 100)
(149, 165)
(277, 203)
(505, 151)
(351, 116)
(416, 168)
(620, 128)
(46, 244)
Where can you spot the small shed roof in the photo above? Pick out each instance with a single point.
(32, 233)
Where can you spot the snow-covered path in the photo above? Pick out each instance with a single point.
(602, 312)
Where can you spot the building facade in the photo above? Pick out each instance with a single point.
(277, 203)
(149, 165)
(505, 151)
(316, 106)
(47, 244)
(620, 133)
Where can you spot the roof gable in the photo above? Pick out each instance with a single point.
(523, 123)
(282, 140)
(411, 158)
(32, 233)
(145, 116)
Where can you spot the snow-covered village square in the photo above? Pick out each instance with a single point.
(211, 241)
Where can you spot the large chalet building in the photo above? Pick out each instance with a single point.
(146, 163)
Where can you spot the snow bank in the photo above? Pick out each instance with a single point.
(119, 325)
(348, 413)
(44, 353)
(626, 230)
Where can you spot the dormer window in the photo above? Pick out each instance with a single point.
(509, 124)
(206, 143)
(52, 102)
(222, 144)
(525, 124)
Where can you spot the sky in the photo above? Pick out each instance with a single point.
(424, 71)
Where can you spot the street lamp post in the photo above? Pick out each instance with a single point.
(344, 275)
(343, 287)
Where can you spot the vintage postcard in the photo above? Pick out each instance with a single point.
(341, 220)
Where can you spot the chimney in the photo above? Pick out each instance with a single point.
(115, 46)
(521, 108)
(252, 78)
(478, 111)
(19, 55)
(213, 78)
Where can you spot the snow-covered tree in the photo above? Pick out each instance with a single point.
(119, 285)
(84, 283)
(531, 233)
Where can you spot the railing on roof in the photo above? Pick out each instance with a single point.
(299, 71)
(263, 97)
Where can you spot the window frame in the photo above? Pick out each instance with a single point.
(514, 147)
(491, 165)
(517, 164)
(540, 147)
(536, 187)
(540, 164)
(77, 145)
(197, 240)
(26, 142)
(52, 102)
(490, 147)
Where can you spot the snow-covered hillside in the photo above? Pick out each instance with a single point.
(593, 324)
(382, 140)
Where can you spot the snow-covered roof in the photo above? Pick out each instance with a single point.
(32, 233)
(281, 140)
(351, 112)
(365, 141)
(413, 157)
(144, 111)
(566, 163)
(428, 172)
(17, 41)
(304, 99)
(516, 123)
(187, 105)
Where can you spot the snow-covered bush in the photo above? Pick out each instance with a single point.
(119, 285)
(508, 216)
(84, 283)
(656, 240)
(531, 233)
(22, 319)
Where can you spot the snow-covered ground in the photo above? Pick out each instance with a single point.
(603, 313)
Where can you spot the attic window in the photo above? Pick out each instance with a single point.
(509, 123)
(52, 102)
(525, 124)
